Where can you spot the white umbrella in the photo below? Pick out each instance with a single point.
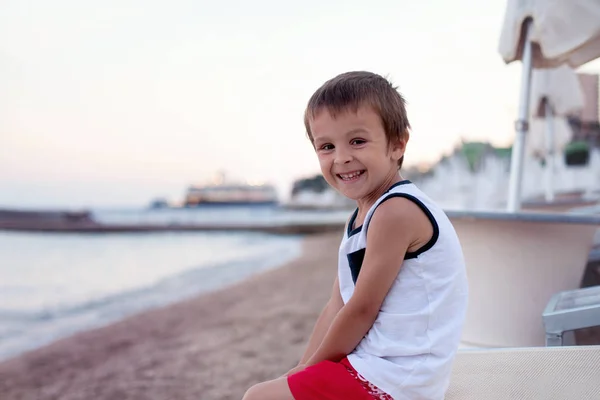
(556, 93)
(563, 31)
(544, 33)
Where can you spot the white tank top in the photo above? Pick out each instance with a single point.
(408, 352)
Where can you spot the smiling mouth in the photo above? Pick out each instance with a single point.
(351, 176)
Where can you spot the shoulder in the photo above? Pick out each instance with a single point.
(400, 217)
(398, 211)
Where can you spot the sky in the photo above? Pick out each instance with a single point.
(114, 103)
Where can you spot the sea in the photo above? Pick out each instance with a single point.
(53, 285)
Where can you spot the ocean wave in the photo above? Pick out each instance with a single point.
(23, 330)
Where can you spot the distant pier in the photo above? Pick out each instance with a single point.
(83, 222)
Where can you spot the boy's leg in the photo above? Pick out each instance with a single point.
(277, 389)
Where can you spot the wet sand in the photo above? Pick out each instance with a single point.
(211, 347)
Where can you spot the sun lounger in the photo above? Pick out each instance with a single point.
(540, 373)
(515, 263)
(570, 310)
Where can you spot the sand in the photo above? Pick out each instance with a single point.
(214, 346)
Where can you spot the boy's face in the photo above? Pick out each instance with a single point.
(355, 156)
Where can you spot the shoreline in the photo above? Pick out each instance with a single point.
(213, 346)
(150, 272)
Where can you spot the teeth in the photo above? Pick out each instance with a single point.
(350, 175)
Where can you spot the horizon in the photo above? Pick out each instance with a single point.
(117, 104)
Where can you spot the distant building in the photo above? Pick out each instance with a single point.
(475, 176)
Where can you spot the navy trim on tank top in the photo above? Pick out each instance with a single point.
(356, 258)
(354, 231)
(434, 224)
(404, 182)
(351, 224)
(355, 261)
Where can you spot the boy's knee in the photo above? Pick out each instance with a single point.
(277, 389)
(253, 393)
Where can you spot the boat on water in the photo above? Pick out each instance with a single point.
(230, 194)
(226, 193)
(221, 191)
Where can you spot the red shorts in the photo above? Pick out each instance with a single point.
(329, 380)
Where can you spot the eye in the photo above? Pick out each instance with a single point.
(326, 146)
(358, 141)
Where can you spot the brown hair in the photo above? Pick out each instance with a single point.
(352, 90)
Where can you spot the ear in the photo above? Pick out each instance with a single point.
(398, 147)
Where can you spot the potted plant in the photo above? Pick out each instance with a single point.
(577, 153)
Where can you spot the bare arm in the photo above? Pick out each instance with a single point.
(397, 226)
(328, 313)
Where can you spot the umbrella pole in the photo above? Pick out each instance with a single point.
(549, 167)
(521, 127)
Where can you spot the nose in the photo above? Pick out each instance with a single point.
(342, 156)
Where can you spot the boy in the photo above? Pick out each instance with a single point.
(392, 325)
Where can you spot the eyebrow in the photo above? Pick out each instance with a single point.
(350, 132)
(356, 130)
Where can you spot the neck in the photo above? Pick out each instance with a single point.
(368, 201)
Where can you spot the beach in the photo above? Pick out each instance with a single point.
(213, 346)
